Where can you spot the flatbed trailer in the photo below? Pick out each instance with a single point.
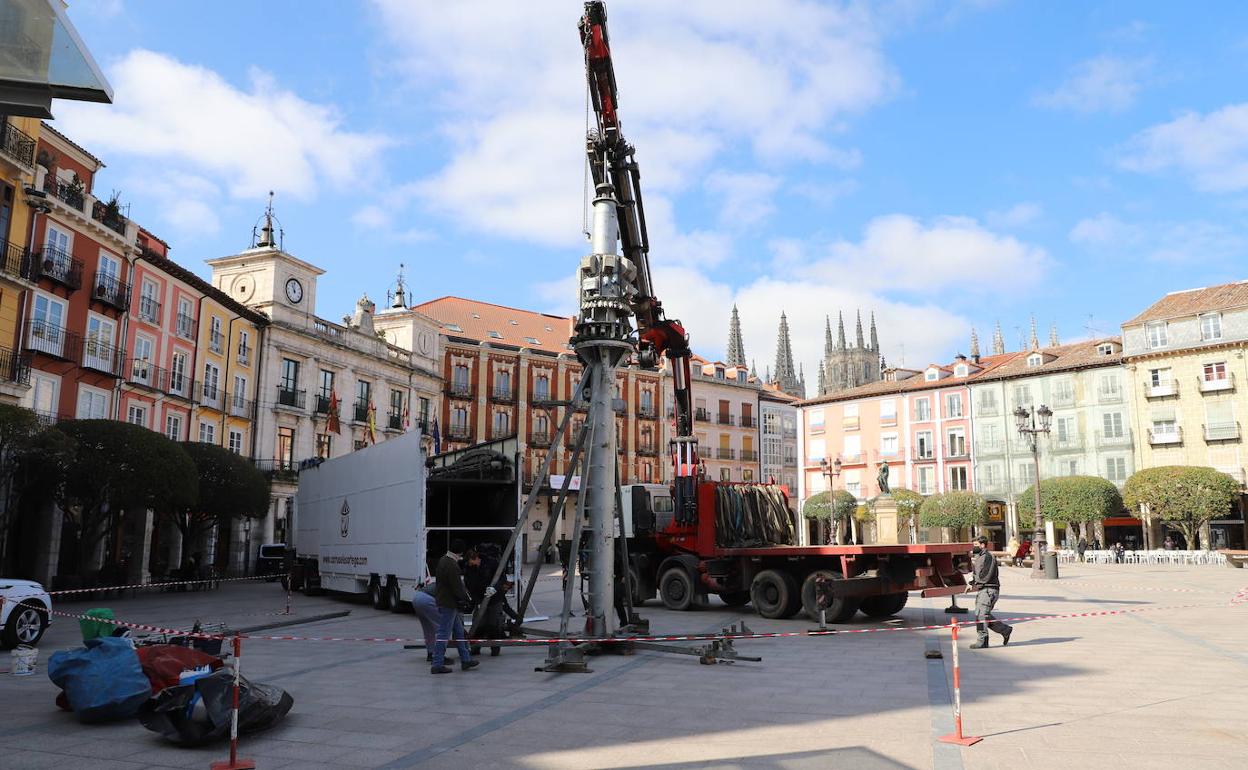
(688, 563)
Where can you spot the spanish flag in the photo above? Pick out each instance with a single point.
(372, 423)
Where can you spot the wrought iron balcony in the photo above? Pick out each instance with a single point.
(726, 419)
(109, 216)
(923, 454)
(724, 453)
(1165, 437)
(957, 451)
(14, 260)
(101, 356)
(244, 355)
(539, 438)
(55, 265)
(296, 399)
(990, 447)
(360, 413)
(69, 193)
(1219, 385)
(238, 404)
(17, 145)
(113, 292)
(1063, 398)
(503, 394)
(648, 450)
(460, 433)
(216, 341)
(321, 403)
(15, 367)
(149, 310)
(1068, 443)
(749, 455)
(701, 415)
(645, 412)
(1161, 389)
(52, 340)
(210, 395)
(1119, 438)
(790, 462)
(1109, 395)
(185, 326)
(1224, 431)
(987, 409)
(279, 470)
(459, 389)
(749, 422)
(394, 421)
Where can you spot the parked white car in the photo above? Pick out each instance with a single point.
(22, 616)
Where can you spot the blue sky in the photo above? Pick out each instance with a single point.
(945, 164)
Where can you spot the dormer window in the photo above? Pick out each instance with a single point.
(931, 375)
(494, 335)
(532, 340)
(1156, 332)
(741, 375)
(514, 323)
(961, 370)
(719, 373)
(1035, 359)
(1211, 327)
(454, 327)
(1105, 349)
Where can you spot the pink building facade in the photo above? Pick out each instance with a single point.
(917, 422)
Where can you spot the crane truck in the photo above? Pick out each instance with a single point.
(701, 537)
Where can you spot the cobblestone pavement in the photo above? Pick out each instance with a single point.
(1157, 688)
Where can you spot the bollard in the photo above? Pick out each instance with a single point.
(289, 577)
(235, 763)
(956, 736)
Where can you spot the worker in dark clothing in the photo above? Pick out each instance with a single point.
(476, 575)
(984, 579)
(452, 597)
(492, 619)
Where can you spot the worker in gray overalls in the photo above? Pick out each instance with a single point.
(984, 579)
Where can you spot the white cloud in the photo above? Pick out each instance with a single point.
(190, 204)
(1175, 242)
(371, 217)
(1210, 149)
(697, 80)
(1102, 84)
(901, 253)
(248, 141)
(747, 198)
(1017, 215)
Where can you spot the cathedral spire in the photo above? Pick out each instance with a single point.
(827, 336)
(858, 333)
(1053, 342)
(736, 348)
(840, 331)
(786, 377)
(1034, 343)
(974, 344)
(875, 340)
(823, 379)
(998, 341)
(753, 370)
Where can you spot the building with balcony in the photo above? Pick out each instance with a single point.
(778, 417)
(917, 422)
(80, 255)
(1185, 369)
(18, 139)
(304, 364)
(1091, 433)
(726, 418)
(509, 371)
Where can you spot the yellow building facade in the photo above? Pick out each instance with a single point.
(1187, 379)
(18, 138)
(227, 373)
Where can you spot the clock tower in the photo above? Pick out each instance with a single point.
(268, 278)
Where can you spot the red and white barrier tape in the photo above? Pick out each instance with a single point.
(139, 586)
(135, 626)
(1240, 597)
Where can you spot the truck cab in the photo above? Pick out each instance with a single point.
(648, 508)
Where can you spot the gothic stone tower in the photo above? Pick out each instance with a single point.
(845, 366)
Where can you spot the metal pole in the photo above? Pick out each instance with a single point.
(956, 736)
(600, 496)
(234, 762)
(1037, 567)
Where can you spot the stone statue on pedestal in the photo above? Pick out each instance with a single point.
(882, 478)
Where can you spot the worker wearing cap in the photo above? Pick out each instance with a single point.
(985, 580)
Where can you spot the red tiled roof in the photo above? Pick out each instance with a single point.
(1076, 355)
(915, 383)
(1177, 304)
(475, 320)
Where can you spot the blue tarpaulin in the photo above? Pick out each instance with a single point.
(102, 681)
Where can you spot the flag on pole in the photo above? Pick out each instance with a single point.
(372, 423)
(332, 424)
(437, 438)
(407, 415)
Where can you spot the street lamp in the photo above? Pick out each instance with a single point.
(1031, 423)
(246, 546)
(832, 471)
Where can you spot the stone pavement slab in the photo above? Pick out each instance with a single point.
(1130, 690)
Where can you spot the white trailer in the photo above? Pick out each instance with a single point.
(361, 518)
(374, 520)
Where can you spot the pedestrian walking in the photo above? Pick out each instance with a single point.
(1081, 547)
(425, 604)
(452, 598)
(984, 579)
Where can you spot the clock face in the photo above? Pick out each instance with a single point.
(294, 290)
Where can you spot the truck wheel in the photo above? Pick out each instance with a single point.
(839, 610)
(883, 606)
(774, 594)
(735, 598)
(676, 589)
(379, 598)
(395, 595)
